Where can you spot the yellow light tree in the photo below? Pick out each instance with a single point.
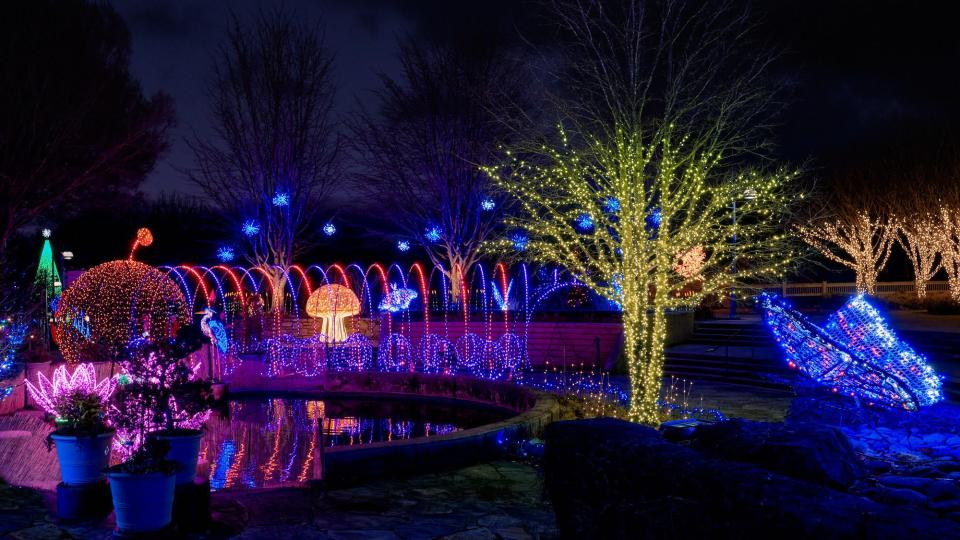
(855, 238)
(620, 212)
(662, 106)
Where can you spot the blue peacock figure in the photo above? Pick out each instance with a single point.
(214, 330)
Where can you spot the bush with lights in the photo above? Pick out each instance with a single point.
(158, 391)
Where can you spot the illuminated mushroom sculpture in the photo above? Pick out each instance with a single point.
(333, 303)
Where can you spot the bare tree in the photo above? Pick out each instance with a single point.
(276, 151)
(75, 128)
(422, 145)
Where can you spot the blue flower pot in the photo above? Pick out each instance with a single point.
(184, 449)
(82, 458)
(142, 502)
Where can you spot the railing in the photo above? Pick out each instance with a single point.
(828, 289)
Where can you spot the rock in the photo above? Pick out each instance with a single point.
(816, 453)
(908, 482)
(512, 533)
(612, 479)
(946, 507)
(939, 490)
(898, 496)
(875, 466)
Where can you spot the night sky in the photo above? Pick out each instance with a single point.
(863, 73)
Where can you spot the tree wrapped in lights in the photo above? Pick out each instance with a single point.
(948, 242)
(918, 236)
(649, 153)
(857, 239)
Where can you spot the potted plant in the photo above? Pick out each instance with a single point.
(176, 401)
(142, 488)
(82, 438)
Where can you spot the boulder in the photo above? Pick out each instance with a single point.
(613, 479)
(811, 452)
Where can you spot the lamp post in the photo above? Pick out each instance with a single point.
(748, 194)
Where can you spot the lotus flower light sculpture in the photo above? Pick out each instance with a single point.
(83, 380)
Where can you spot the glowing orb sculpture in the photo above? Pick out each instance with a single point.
(855, 353)
(118, 301)
(333, 304)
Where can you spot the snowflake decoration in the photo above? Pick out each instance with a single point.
(433, 234)
(612, 204)
(520, 241)
(403, 245)
(225, 253)
(281, 199)
(250, 228)
(585, 222)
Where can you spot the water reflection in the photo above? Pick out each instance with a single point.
(273, 442)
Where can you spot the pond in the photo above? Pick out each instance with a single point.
(277, 441)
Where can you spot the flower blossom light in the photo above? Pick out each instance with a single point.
(83, 380)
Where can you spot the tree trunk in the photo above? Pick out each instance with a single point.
(644, 335)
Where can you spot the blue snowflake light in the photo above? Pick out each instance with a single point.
(250, 228)
(329, 229)
(585, 222)
(433, 233)
(519, 240)
(488, 204)
(225, 253)
(612, 204)
(855, 353)
(281, 198)
(403, 245)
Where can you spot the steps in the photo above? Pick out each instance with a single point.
(730, 352)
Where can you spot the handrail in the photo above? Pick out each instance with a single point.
(825, 288)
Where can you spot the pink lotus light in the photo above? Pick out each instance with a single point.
(83, 379)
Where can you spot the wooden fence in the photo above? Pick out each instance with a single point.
(845, 289)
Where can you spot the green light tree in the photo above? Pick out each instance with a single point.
(646, 196)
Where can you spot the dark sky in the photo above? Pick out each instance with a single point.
(864, 70)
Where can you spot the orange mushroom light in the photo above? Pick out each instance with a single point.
(333, 304)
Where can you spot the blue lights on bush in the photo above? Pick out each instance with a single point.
(225, 253)
(855, 353)
(250, 228)
(403, 245)
(329, 229)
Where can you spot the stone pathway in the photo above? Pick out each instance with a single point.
(500, 500)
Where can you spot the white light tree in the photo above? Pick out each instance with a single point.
(856, 238)
(948, 243)
(652, 168)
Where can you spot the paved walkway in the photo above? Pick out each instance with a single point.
(500, 500)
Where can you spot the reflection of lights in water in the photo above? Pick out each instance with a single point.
(276, 442)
